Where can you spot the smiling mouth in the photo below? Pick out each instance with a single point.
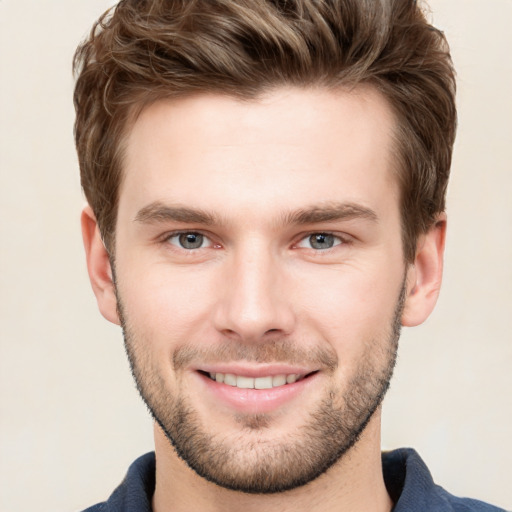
(266, 382)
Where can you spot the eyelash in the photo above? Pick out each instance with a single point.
(341, 239)
(176, 234)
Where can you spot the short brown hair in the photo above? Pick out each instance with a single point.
(144, 50)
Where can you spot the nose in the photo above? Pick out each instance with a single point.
(253, 299)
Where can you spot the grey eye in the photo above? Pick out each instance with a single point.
(322, 241)
(190, 240)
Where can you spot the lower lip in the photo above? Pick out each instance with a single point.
(254, 401)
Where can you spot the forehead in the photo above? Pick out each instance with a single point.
(283, 150)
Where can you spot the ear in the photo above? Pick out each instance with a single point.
(98, 266)
(424, 276)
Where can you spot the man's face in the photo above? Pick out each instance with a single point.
(258, 245)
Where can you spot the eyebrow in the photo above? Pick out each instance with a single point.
(330, 212)
(158, 212)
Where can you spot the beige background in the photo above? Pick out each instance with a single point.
(70, 419)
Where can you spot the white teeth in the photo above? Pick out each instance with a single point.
(230, 379)
(278, 380)
(263, 383)
(243, 382)
(290, 379)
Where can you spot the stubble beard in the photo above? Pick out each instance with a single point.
(261, 464)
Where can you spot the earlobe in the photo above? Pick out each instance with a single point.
(98, 266)
(424, 276)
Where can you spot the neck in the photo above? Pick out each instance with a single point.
(354, 483)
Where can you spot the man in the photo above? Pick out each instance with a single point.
(266, 185)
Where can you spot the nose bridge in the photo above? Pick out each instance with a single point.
(254, 301)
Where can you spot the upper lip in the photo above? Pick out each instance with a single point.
(255, 371)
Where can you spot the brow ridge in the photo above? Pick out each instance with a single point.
(159, 212)
(329, 213)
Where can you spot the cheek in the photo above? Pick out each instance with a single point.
(166, 304)
(351, 306)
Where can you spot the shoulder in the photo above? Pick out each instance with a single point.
(100, 507)
(412, 488)
(135, 492)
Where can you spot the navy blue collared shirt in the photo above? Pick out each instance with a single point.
(407, 478)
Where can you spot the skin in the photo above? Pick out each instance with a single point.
(251, 166)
